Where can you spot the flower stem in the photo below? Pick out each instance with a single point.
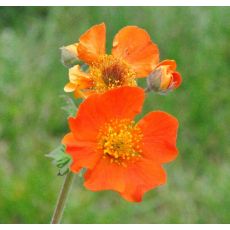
(147, 90)
(62, 198)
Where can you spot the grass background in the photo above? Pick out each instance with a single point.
(32, 123)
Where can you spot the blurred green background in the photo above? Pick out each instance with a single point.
(32, 122)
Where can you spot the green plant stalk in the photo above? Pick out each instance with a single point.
(59, 208)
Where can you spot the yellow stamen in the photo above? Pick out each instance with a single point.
(120, 140)
(109, 72)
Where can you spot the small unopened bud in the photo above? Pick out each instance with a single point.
(69, 55)
(164, 78)
(154, 80)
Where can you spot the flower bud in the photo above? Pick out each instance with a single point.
(69, 55)
(164, 78)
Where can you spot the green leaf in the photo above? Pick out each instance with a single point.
(60, 159)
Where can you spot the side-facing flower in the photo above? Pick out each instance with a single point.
(164, 78)
(133, 55)
(118, 153)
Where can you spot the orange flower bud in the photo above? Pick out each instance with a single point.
(164, 78)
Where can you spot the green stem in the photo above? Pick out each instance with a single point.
(147, 90)
(57, 215)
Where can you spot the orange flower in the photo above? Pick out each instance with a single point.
(133, 55)
(119, 154)
(164, 78)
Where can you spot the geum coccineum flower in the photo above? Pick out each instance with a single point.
(133, 55)
(118, 153)
(164, 77)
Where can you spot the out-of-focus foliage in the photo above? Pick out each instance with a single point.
(33, 123)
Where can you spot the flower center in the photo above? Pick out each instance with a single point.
(109, 72)
(120, 140)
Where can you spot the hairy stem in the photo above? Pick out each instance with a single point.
(57, 215)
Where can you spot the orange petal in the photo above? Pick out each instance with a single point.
(170, 63)
(92, 43)
(134, 45)
(169, 78)
(70, 144)
(123, 102)
(105, 176)
(177, 79)
(97, 109)
(83, 129)
(81, 79)
(140, 177)
(83, 154)
(159, 136)
(69, 87)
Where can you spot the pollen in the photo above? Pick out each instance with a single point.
(110, 72)
(120, 141)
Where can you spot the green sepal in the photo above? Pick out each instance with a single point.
(60, 159)
(68, 58)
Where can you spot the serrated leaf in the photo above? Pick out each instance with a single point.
(60, 159)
